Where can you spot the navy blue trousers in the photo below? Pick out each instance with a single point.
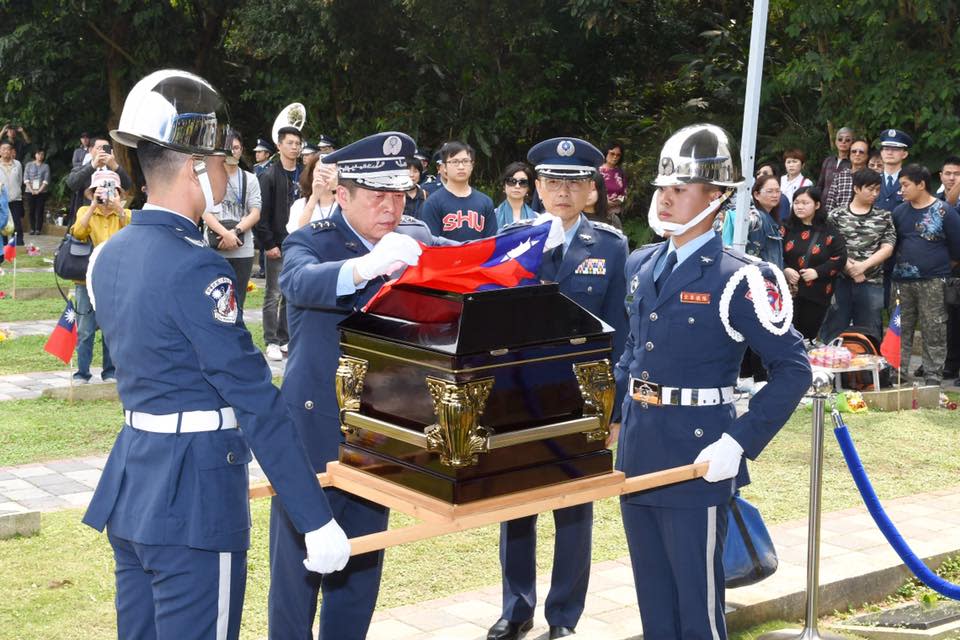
(571, 566)
(177, 593)
(677, 558)
(349, 596)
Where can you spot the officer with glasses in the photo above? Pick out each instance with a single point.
(589, 266)
(694, 307)
(196, 392)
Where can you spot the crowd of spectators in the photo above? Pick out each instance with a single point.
(869, 233)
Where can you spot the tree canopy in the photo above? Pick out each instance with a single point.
(500, 75)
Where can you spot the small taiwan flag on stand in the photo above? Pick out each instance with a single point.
(63, 340)
(890, 347)
(10, 250)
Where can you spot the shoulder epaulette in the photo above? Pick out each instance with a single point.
(745, 258)
(410, 220)
(322, 225)
(609, 228)
(518, 224)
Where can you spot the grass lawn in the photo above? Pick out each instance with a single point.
(42, 309)
(26, 354)
(61, 580)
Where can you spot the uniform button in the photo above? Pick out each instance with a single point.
(648, 346)
(590, 289)
(308, 405)
(644, 375)
(654, 316)
(643, 404)
(231, 458)
(698, 433)
(691, 320)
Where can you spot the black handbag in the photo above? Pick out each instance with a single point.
(748, 552)
(213, 238)
(71, 259)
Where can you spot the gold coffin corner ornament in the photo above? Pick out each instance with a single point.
(457, 436)
(351, 373)
(599, 391)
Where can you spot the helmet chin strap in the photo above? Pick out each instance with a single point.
(200, 168)
(660, 227)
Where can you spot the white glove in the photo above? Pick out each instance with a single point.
(724, 457)
(393, 252)
(555, 239)
(328, 548)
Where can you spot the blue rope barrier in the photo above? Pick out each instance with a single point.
(880, 516)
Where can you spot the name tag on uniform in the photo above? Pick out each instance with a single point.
(694, 298)
(593, 267)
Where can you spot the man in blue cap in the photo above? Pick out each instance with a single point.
(894, 149)
(325, 145)
(589, 268)
(331, 268)
(694, 308)
(196, 392)
(261, 154)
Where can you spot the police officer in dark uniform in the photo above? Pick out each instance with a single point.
(262, 153)
(589, 268)
(332, 268)
(196, 392)
(693, 308)
(894, 149)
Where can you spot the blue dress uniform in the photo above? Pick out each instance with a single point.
(173, 494)
(312, 259)
(682, 356)
(890, 197)
(589, 274)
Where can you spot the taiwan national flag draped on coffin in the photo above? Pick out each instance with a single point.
(890, 347)
(507, 260)
(63, 340)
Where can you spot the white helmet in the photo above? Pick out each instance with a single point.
(177, 110)
(699, 153)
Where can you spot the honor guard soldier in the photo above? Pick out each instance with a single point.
(197, 394)
(331, 268)
(694, 307)
(262, 153)
(894, 149)
(589, 268)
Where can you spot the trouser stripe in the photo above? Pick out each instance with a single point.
(711, 581)
(223, 597)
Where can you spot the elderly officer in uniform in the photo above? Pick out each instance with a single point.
(332, 268)
(693, 309)
(196, 392)
(589, 268)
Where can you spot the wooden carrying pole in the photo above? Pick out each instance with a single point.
(440, 518)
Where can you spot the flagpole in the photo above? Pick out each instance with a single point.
(14, 293)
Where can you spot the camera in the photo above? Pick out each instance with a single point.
(110, 191)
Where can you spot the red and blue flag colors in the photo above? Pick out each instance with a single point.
(507, 260)
(10, 250)
(890, 347)
(63, 340)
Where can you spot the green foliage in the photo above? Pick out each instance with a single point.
(500, 75)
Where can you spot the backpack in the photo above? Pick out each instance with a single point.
(859, 342)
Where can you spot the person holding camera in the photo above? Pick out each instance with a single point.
(101, 157)
(17, 137)
(96, 222)
(229, 230)
(11, 177)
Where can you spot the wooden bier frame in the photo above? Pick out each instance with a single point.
(440, 518)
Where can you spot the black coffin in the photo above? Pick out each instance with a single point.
(470, 396)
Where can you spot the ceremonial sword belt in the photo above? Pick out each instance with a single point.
(182, 422)
(650, 393)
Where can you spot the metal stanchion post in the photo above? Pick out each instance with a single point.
(821, 388)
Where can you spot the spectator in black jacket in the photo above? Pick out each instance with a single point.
(279, 188)
(101, 155)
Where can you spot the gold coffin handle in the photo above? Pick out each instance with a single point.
(355, 420)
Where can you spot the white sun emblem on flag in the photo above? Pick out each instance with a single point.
(70, 316)
(896, 319)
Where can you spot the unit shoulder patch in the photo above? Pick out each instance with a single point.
(323, 225)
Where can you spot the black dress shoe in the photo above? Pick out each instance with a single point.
(503, 629)
(560, 632)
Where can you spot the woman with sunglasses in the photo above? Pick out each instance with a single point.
(517, 183)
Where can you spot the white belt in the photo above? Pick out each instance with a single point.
(183, 422)
(650, 393)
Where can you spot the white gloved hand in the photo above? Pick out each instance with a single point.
(555, 239)
(724, 457)
(328, 548)
(393, 252)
